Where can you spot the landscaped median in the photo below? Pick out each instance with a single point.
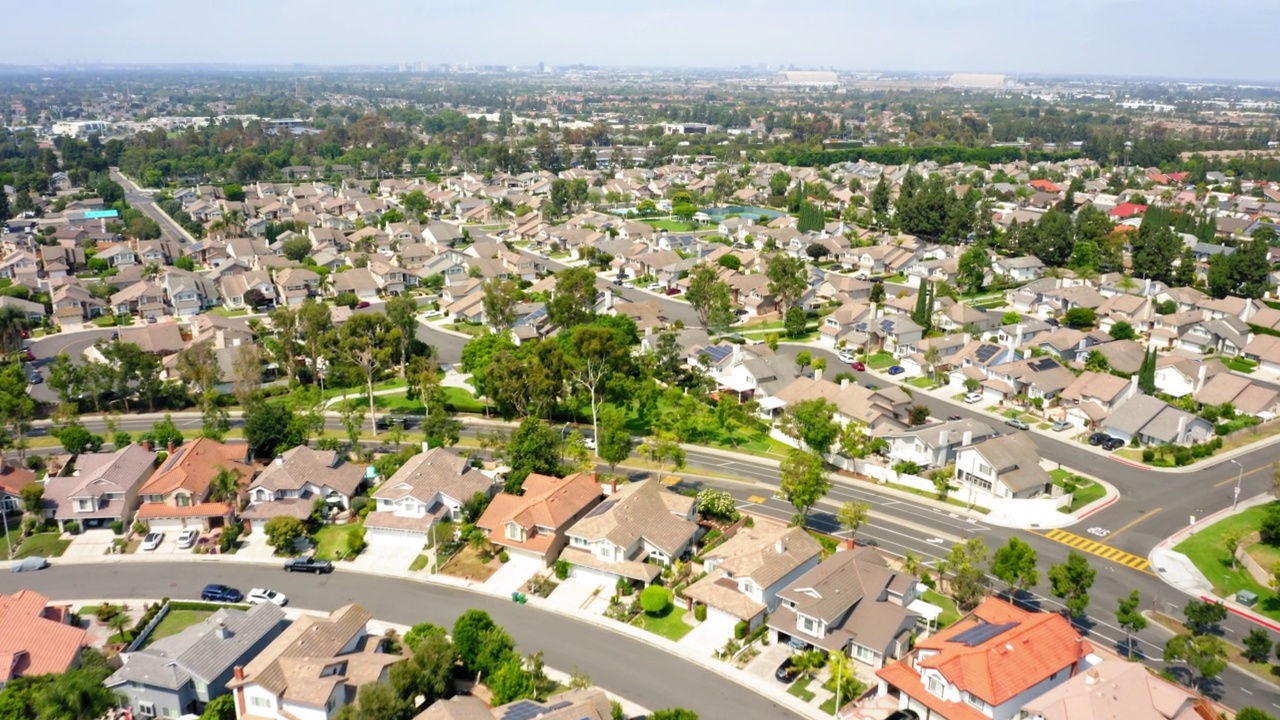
(1253, 533)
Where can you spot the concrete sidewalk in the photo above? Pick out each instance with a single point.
(1177, 569)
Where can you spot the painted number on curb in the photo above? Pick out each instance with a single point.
(1100, 532)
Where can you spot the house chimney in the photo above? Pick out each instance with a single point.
(844, 383)
(1200, 377)
(146, 445)
(966, 438)
(613, 485)
(170, 447)
(279, 460)
(873, 310)
(779, 546)
(817, 374)
(1017, 340)
(1133, 385)
(1182, 428)
(222, 631)
(238, 671)
(944, 437)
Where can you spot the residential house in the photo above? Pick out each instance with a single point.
(189, 293)
(179, 494)
(358, 281)
(534, 523)
(1245, 395)
(1154, 422)
(1027, 380)
(745, 573)
(1135, 310)
(853, 603)
(236, 288)
(143, 299)
(1122, 355)
(73, 302)
(181, 673)
(1093, 396)
(103, 489)
(585, 704)
(12, 479)
(312, 669)
(1116, 689)
(639, 528)
(34, 312)
(295, 285)
(975, 360)
(936, 445)
(1178, 376)
(429, 487)
(986, 666)
(1005, 466)
(1023, 268)
(117, 255)
(298, 477)
(36, 638)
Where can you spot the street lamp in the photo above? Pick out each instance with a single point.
(1235, 499)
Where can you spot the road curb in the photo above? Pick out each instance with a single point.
(1105, 504)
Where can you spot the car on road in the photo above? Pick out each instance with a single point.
(897, 370)
(787, 671)
(858, 365)
(362, 304)
(36, 378)
(308, 564)
(872, 386)
(973, 397)
(257, 596)
(215, 592)
(187, 538)
(30, 564)
(654, 287)
(589, 443)
(1112, 443)
(433, 314)
(954, 416)
(1017, 424)
(1060, 426)
(846, 357)
(151, 319)
(152, 540)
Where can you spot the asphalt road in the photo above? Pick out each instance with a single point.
(630, 668)
(142, 200)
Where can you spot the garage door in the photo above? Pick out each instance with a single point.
(168, 524)
(721, 615)
(579, 572)
(398, 536)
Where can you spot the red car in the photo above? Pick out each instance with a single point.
(858, 365)
(362, 304)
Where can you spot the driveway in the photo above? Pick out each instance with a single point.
(574, 595)
(513, 574)
(254, 547)
(89, 545)
(388, 554)
(766, 663)
(709, 636)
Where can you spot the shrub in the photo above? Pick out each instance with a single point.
(359, 503)
(230, 535)
(700, 612)
(740, 630)
(71, 527)
(139, 528)
(1269, 530)
(503, 557)
(1148, 455)
(117, 527)
(655, 599)
(717, 504)
(623, 587)
(562, 570)
(1182, 456)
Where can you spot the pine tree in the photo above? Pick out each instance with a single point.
(923, 313)
(5, 213)
(1147, 373)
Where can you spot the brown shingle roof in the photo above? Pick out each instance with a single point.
(309, 637)
(641, 510)
(431, 472)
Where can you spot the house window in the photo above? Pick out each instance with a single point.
(975, 701)
(330, 704)
(936, 686)
(984, 469)
(515, 532)
(865, 654)
(260, 702)
(808, 625)
(182, 500)
(147, 709)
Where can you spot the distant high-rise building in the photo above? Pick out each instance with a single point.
(542, 67)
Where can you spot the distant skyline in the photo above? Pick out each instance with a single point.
(1224, 40)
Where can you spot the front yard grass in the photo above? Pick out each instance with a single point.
(175, 622)
(1208, 551)
(331, 541)
(800, 688)
(461, 400)
(45, 545)
(670, 625)
(922, 382)
(1240, 364)
(880, 361)
(469, 565)
(949, 612)
(419, 563)
(671, 225)
(1086, 490)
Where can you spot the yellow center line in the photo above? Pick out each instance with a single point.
(1133, 522)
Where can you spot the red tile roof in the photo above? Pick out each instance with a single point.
(1045, 186)
(1038, 646)
(1127, 210)
(12, 478)
(907, 680)
(153, 511)
(193, 466)
(30, 642)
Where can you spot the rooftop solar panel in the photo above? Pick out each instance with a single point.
(983, 632)
(602, 508)
(523, 710)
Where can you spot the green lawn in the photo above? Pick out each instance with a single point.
(949, 612)
(879, 361)
(468, 328)
(1086, 490)
(672, 225)
(670, 626)
(331, 540)
(800, 688)
(228, 313)
(461, 400)
(175, 622)
(42, 544)
(922, 382)
(1241, 365)
(1208, 551)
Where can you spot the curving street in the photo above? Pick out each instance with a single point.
(639, 672)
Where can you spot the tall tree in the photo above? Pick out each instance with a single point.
(198, 367)
(710, 297)
(788, 280)
(534, 448)
(594, 354)
(500, 300)
(813, 423)
(364, 345)
(852, 516)
(1204, 655)
(804, 482)
(1130, 618)
(613, 443)
(973, 267)
(1070, 581)
(402, 313)
(1015, 565)
(574, 299)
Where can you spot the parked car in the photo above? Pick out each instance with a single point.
(954, 416)
(308, 564)
(973, 397)
(221, 593)
(872, 386)
(187, 538)
(1017, 424)
(432, 314)
(787, 671)
(897, 370)
(589, 443)
(36, 378)
(152, 540)
(1098, 438)
(30, 564)
(672, 292)
(1060, 426)
(362, 304)
(1112, 443)
(858, 365)
(654, 287)
(846, 357)
(258, 596)
(1052, 322)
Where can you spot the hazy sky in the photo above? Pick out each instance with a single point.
(1174, 38)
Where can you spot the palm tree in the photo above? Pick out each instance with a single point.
(12, 324)
(118, 622)
(933, 358)
(911, 564)
(941, 565)
(151, 271)
(225, 485)
(76, 696)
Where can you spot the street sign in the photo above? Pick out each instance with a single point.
(96, 214)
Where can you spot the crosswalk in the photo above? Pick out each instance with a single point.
(1093, 547)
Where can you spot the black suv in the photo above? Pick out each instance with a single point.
(308, 564)
(1112, 443)
(1098, 438)
(221, 593)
